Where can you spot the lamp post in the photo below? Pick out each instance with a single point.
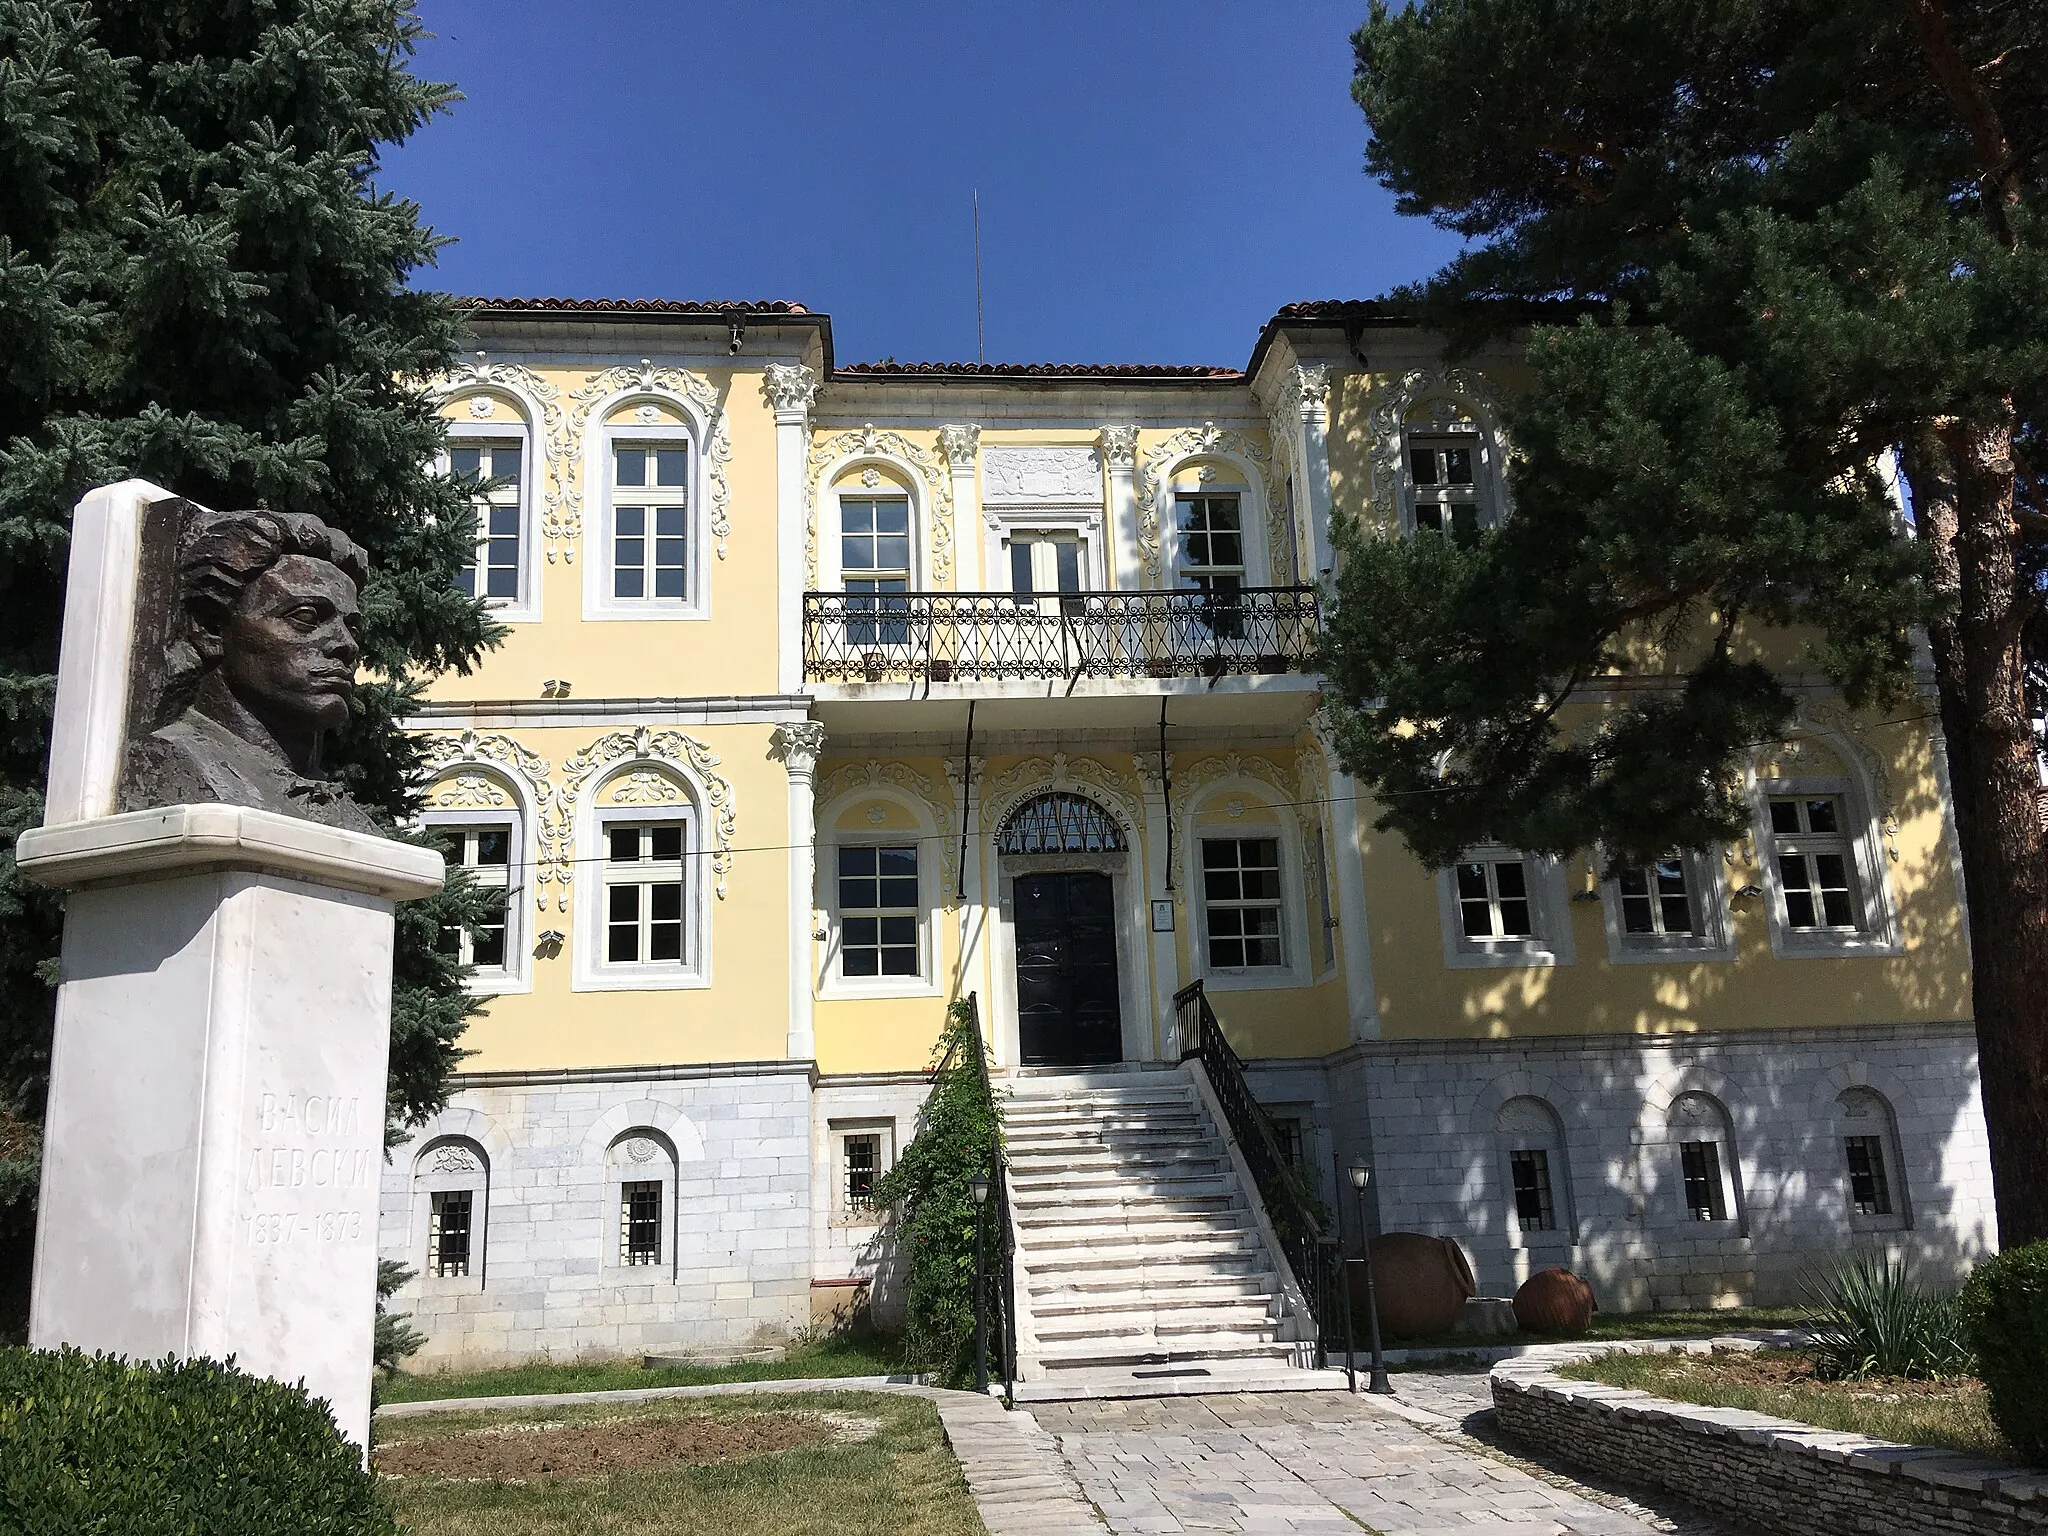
(1361, 1175)
(1344, 1269)
(978, 1188)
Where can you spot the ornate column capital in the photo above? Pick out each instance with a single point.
(957, 770)
(961, 444)
(1120, 447)
(798, 745)
(1309, 384)
(1146, 765)
(790, 388)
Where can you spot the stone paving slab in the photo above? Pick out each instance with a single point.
(1302, 1462)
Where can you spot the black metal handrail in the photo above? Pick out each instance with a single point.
(1295, 1213)
(1002, 1276)
(947, 637)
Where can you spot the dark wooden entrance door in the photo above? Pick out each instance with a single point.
(1067, 1012)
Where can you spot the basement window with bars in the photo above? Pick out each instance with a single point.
(862, 1157)
(1700, 1165)
(448, 1229)
(1870, 1192)
(1535, 1209)
(1287, 1132)
(640, 1222)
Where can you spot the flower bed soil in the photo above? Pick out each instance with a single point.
(518, 1453)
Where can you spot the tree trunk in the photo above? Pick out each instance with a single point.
(1967, 517)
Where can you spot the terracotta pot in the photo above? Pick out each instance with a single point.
(1421, 1283)
(1554, 1301)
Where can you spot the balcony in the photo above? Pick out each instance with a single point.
(954, 638)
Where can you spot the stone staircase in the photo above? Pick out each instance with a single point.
(1141, 1249)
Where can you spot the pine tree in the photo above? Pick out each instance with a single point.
(201, 284)
(1801, 238)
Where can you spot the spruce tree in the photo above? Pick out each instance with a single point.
(201, 284)
(1803, 240)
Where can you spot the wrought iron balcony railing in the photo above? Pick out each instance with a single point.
(951, 637)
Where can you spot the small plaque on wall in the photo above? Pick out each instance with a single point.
(1162, 917)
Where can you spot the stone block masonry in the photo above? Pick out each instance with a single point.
(1771, 1474)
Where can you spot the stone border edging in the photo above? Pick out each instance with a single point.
(1014, 1472)
(1777, 1474)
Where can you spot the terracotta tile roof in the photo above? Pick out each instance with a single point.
(1328, 309)
(1040, 370)
(642, 306)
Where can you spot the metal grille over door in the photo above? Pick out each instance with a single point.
(1060, 823)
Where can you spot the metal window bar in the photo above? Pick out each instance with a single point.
(448, 1230)
(1297, 1215)
(1534, 1211)
(863, 1155)
(1869, 1190)
(640, 1223)
(1060, 823)
(1700, 1163)
(944, 637)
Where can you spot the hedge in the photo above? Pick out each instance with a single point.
(2005, 1309)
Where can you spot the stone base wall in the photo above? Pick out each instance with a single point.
(1439, 1121)
(544, 1159)
(1770, 1474)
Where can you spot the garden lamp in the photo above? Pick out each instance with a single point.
(1361, 1176)
(978, 1187)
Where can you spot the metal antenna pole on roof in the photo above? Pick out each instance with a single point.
(980, 336)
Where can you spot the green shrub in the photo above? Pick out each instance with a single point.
(2005, 1310)
(93, 1444)
(1875, 1322)
(955, 1140)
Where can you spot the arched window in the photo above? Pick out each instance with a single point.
(451, 1183)
(649, 531)
(1707, 1167)
(1873, 1171)
(490, 452)
(1532, 1143)
(1060, 823)
(483, 818)
(643, 923)
(640, 1171)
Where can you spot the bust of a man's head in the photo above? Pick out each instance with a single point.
(272, 624)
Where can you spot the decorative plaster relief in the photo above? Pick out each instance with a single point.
(890, 447)
(1440, 393)
(441, 754)
(960, 444)
(676, 749)
(1842, 728)
(716, 448)
(1192, 442)
(1110, 789)
(853, 776)
(796, 744)
(555, 439)
(1119, 446)
(1041, 477)
(790, 388)
(468, 792)
(453, 1159)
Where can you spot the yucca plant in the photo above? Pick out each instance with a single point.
(1874, 1321)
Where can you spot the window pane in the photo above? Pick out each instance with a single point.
(625, 844)
(1820, 816)
(1531, 1173)
(1422, 464)
(863, 1156)
(1869, 1190)
(667, 840)
(892, 517)
(1020, 566)
(856, 516)
(1514, 918)
(1510, 877)
(900, 892)
(1069, 553)
(896, 861)
(1458, 466)
(631, 466)
(505, 464)
(503, 579)
(1700, 1165)
(671, 466)
(857, 860)
(1472, 882)
(1784, 815)
(629, 581)
(465, 463)
(487, 946)
(493, 845)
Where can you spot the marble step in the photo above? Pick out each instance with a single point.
(1100, 1353)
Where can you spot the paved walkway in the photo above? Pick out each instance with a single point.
(1321, 1462)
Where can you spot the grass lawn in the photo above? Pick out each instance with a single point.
(875, 1462)
(1781, 1382)
(1629, 1325)
(838, 1355)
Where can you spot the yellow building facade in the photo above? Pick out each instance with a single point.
(833, 694)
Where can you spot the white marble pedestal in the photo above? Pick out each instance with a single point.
(214, 1141)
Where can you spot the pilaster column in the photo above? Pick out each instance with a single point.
(1165, 955)
(1309, 386)
(977, 907)
(1354, 932)
(1119, 445)
(797, 744)
(962, 444)
(790, 387)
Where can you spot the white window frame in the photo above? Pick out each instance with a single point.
(598, 600)
(1183, 568)
(1005, 523)
(884, 1131)
(1710, 940)
(1186, 479)
(1457, 419)
(1485, 504)
(881, 620)
(1258, 821)
(1549, 915)
(517, 973)
(592, 971)
(896, 480)
(525, 608)
(1878, 930)
(882, 986)
(1240, 836)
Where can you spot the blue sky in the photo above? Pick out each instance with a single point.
(1156, 176)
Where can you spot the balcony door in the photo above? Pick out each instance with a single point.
(1067, 1009)
(1047, 570)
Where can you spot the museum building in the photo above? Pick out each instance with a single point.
(834, 694)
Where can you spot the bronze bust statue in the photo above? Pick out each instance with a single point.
(243, 662)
